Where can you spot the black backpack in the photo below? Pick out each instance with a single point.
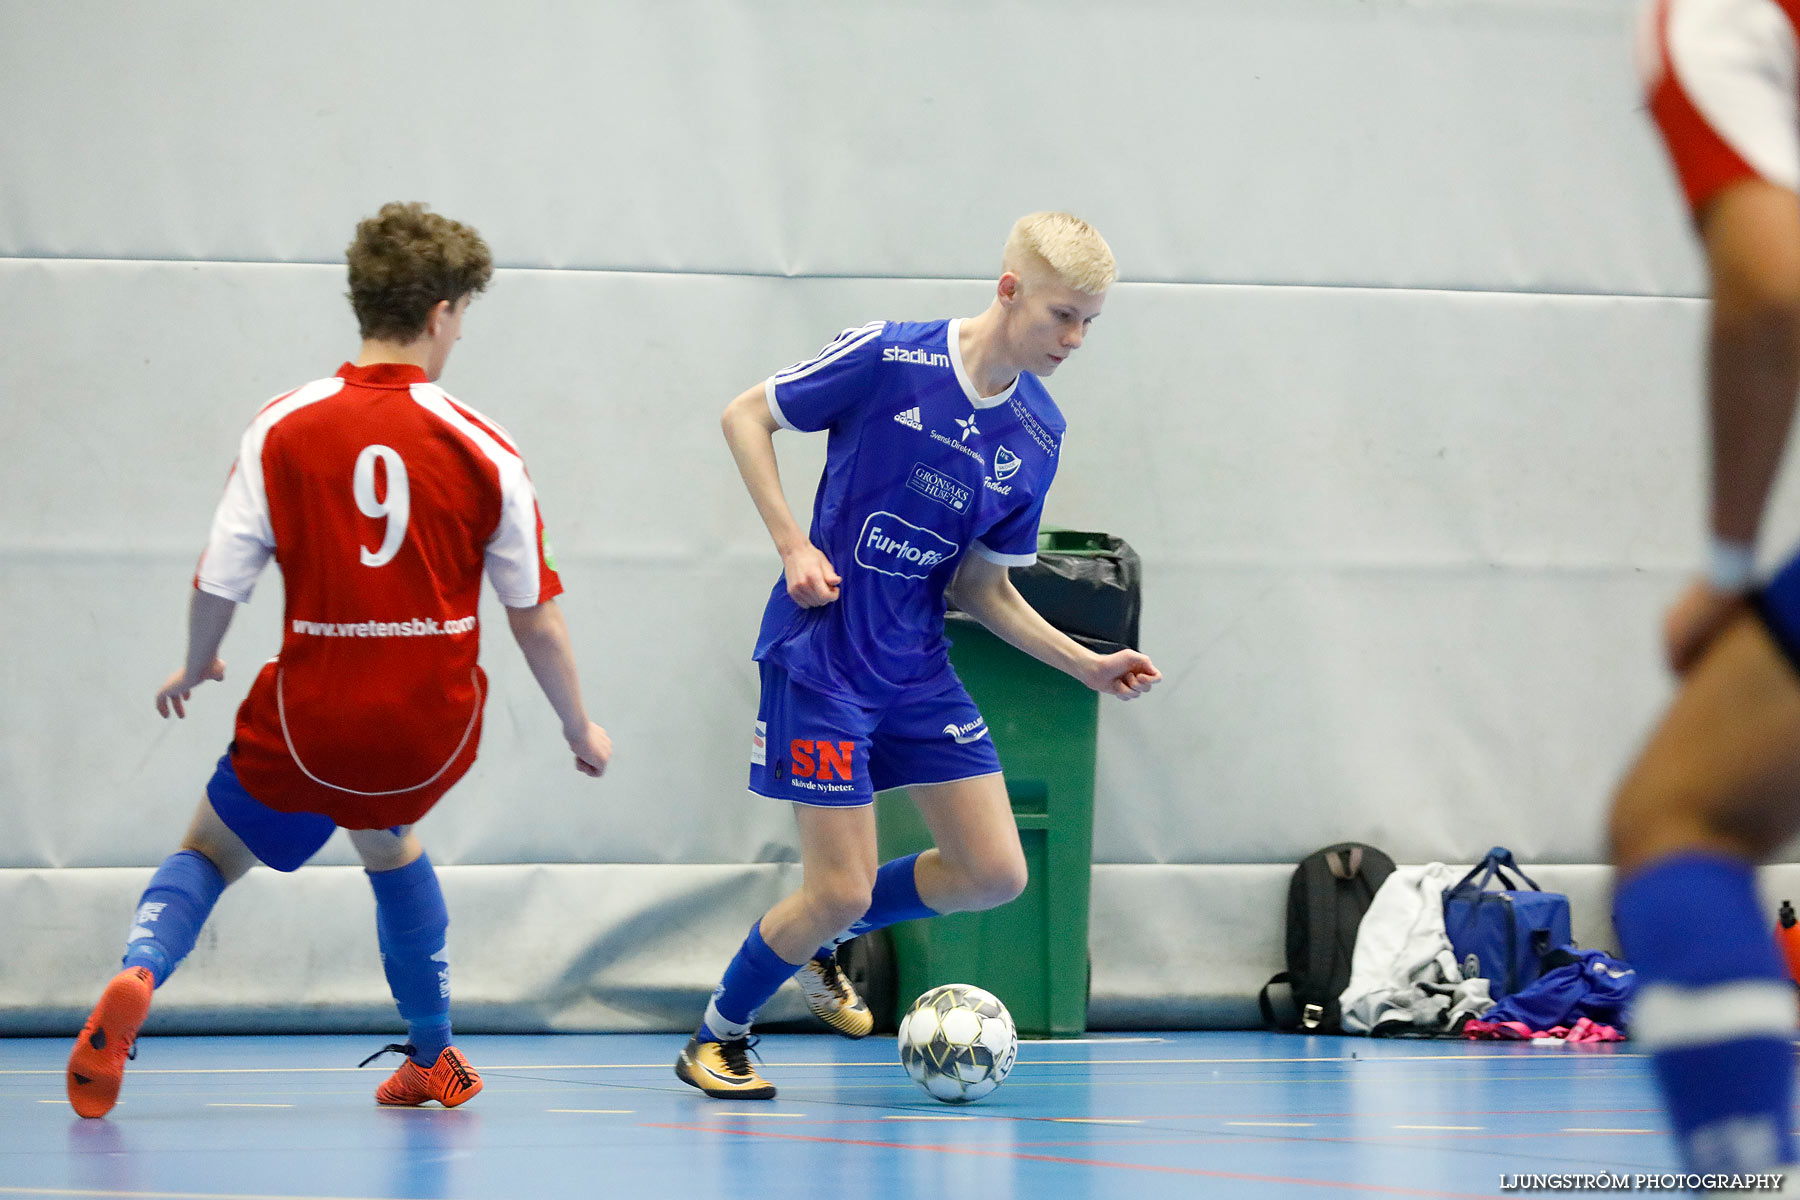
(1331, 890)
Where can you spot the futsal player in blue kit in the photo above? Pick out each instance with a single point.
(943, 444)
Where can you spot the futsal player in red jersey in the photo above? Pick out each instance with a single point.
(386, 500)
(1717, 788)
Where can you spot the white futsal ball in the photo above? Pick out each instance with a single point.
(958, 1042)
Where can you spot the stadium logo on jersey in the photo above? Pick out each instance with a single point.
(910, 419)
(967, 427)
(922, 358)
(935, 485)
(1006, 464)
(974, 731)
(892, 546)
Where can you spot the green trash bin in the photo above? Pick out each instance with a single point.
(1033, 952)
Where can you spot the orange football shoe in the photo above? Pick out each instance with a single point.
(450, 1081)
(97, 1063)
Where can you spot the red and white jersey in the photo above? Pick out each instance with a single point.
(384, 500)
(1721, 81)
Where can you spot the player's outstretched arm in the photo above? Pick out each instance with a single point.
(209, 616)
(750, 432)
(1752, 235)
(985, 591)
(543, 638)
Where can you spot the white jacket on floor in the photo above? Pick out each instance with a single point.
(1403, 973)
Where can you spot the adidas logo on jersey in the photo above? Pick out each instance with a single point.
(923, 358)
(910, 419)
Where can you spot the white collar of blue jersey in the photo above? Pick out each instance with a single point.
(962, 376)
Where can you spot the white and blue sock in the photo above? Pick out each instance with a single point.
(1714, 1007)
(171, 911)
(754, 974)
(895, 898)
(410, 924)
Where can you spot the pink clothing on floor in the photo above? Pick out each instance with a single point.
(1583, 1031)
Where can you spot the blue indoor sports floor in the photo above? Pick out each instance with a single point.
(1248, 1115)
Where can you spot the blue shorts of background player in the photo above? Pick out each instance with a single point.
(816, 749)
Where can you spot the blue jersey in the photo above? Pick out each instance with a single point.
(919, 473)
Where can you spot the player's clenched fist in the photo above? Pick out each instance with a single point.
(593, 750)
(811, 582)
(1694, 620)
(1125, 674)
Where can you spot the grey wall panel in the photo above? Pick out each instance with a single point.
(1471, 143)
(1405, 550)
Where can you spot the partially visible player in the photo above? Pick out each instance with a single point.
(1717, 789)
(943, 443)
(385, 500)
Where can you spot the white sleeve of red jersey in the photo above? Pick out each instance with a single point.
(517, 561)
(242, 537)
(241, 540)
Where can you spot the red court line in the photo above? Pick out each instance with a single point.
(1341, 1185)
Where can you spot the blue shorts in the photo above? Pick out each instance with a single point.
(282, 840)
(813, 749)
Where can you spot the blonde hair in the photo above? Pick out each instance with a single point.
(1067, 245)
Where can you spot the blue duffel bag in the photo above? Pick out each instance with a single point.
(1502, 936)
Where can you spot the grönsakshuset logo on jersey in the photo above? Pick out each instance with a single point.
(891, 545)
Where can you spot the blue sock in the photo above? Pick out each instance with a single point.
(171, 912)
(1714, 1006)
(410, 923)
(895, 898)
(756, 973)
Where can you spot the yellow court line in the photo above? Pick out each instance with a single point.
(1024, 1062)
(732, 1113)
(1580, 1130)
(926, 1117)
(1094, 1121)
(1445, 1128)
(1274, 1124)
(229, 1104)
(613, 1111)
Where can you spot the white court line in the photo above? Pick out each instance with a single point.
(224, 1104)
(1094, 1121)
(1445, 1128)
(611, 1111)
(1273, 1124)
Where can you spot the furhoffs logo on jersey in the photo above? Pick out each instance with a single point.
(922, 358)
(890, 545)
(1006, 464)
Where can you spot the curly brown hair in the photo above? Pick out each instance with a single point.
(404, 260)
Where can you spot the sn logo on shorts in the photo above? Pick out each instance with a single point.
(821, 759)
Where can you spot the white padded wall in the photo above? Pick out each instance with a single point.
(1398, 401)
